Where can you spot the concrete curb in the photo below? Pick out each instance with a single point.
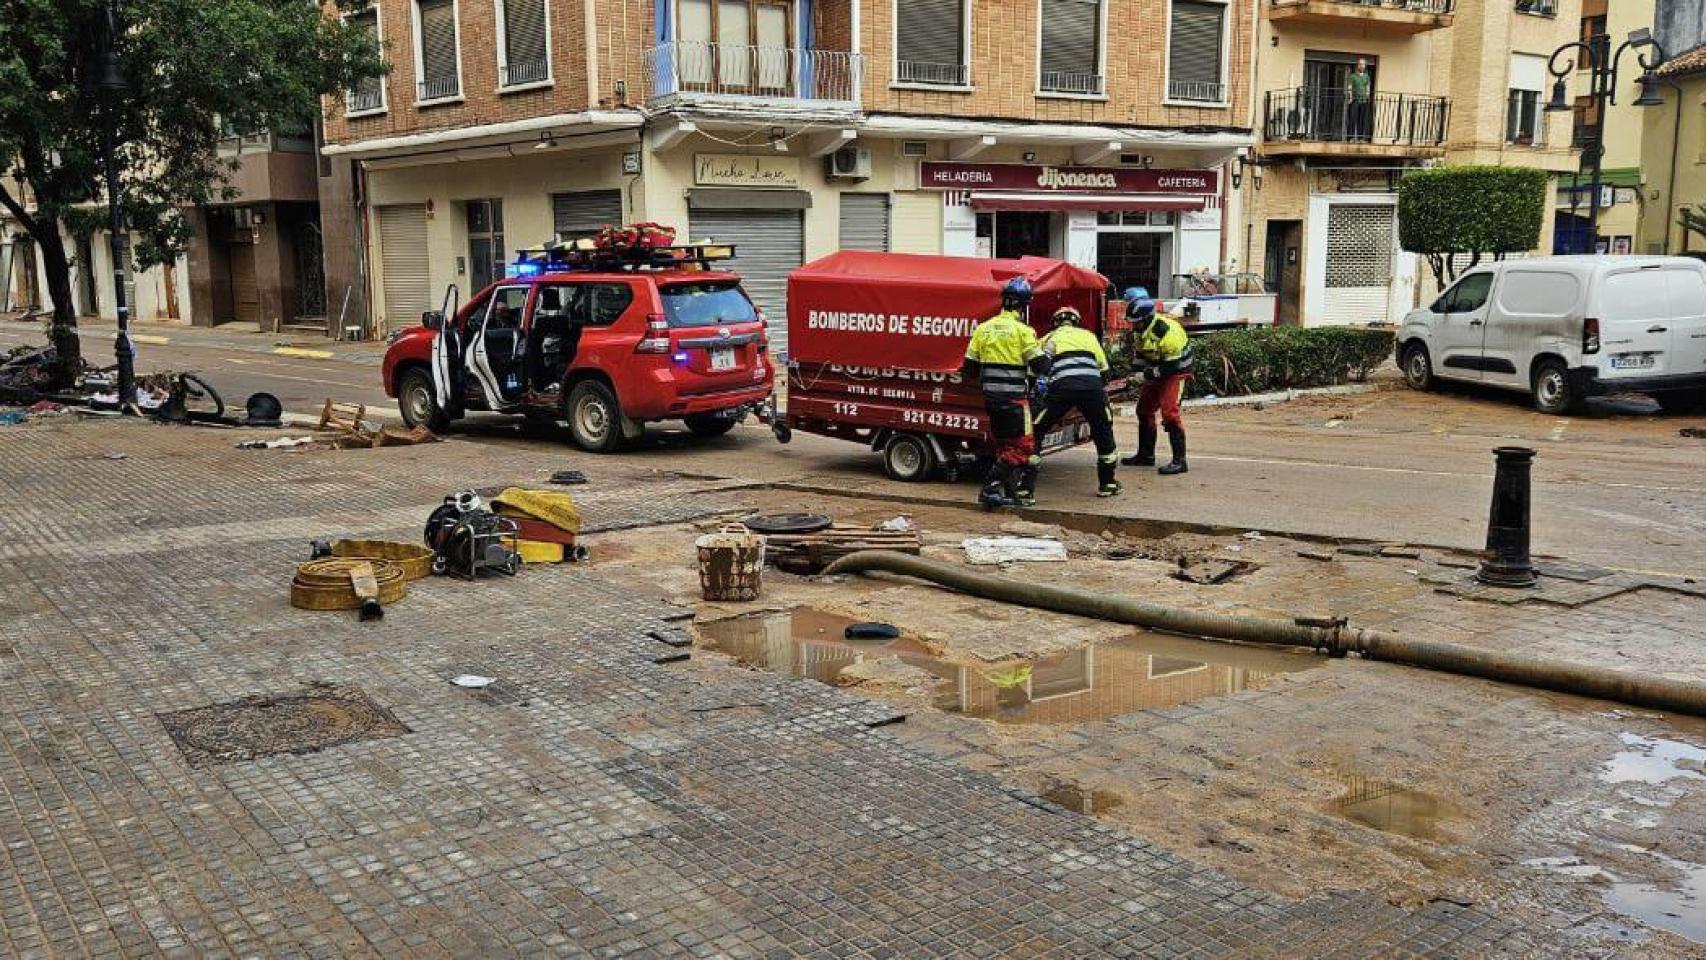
(1278, 396)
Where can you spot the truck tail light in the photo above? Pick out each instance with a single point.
(657, 335)
(763, 337)
(1590, 335)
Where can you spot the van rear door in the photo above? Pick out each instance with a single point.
(1687, 286)
(1634, 322)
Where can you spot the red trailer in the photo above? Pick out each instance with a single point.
(876, 341)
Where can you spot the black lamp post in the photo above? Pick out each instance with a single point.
(110, 82)
(1602, 64)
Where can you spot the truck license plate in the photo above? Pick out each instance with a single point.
(722, 358)
(1632, 361)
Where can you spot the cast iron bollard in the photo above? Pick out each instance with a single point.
(1506, 562)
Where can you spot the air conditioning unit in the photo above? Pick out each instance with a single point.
(850, 163)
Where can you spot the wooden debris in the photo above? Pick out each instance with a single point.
(811, 552)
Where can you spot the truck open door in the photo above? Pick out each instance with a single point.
(447, 352)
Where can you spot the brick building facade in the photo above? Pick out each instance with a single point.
(791, 128)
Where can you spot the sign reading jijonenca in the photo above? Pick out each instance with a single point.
(1023, 177)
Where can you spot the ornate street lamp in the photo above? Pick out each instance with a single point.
(111, 84)
(1602, 64)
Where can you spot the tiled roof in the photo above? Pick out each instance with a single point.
(1691, 61)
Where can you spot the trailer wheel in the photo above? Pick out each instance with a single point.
(908, 457)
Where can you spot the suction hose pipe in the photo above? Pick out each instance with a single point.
(1331, 637)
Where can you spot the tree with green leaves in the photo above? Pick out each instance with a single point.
(1474, 210)
(160, 78)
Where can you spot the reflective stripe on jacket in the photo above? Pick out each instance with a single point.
(1003, 347)
(1165, 345)
(1076, 358)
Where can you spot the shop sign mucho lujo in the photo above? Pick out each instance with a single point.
(733, 170)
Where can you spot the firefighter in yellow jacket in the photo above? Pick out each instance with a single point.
(1076, 374)
(1003, 356)
(1163, 349)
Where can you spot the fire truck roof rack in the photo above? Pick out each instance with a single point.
(580, 255)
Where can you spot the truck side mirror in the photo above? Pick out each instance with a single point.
(432, 320)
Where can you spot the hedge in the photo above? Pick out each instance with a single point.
(1262, 359)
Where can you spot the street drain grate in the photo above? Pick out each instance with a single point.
(257, 727)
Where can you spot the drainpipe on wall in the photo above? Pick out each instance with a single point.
(589, 10)
(359, 187)
(1670, 187)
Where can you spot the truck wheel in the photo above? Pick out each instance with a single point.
(1417, 366)
(908, 457)
(709, 424)
(595, 418)
(1552, 391)
(417, 402)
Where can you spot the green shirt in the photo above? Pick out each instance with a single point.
(1358, 84)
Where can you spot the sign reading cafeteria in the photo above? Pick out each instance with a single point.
(733, 170)
(939, 175)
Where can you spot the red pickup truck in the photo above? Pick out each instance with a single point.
(606, 346)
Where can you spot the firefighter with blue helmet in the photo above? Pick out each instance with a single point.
(1003, 356)
(1163, 350)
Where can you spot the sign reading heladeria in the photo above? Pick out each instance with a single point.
(1041, 178)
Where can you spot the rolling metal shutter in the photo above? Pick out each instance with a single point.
(403, 264)
(1070, 58)
(916, 220)
(1194, 55)
(769, 244)
(865, 221)
(524, 41)
(929, 40)
(1361, 239)
(581, 214)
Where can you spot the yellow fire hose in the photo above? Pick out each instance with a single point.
(1336, 639)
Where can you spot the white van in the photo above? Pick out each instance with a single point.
(1565, 328)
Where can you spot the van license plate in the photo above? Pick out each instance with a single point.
(1633, 361)
(722, 358)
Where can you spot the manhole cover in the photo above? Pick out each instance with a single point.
(264, 726)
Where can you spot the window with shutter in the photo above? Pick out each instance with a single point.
(1194, 54)
(368, 94)
(439, 77)
(930, 42)
(1072, 47)
(527, 57)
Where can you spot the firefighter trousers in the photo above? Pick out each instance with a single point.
(1092, 404)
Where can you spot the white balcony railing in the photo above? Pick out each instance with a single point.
(1085, 84)
(439, 88)
(1197, 91)
(932, 73)
(693, 69)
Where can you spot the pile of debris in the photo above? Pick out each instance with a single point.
(805, 543)
(348, 428)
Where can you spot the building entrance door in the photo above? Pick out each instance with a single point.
(1283, 262)
(1132, 260)
(1010, 234)
(485, 243)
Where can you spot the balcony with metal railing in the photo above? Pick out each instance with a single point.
(1309, 120)
(1077, 84)
(439, 88)
(366, 98)
(1538, 8)
(1196, 91)
(1387, 16)
(519, 73)
(932, 73)
(739, 77)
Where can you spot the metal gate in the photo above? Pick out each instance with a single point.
(865, 221)
(310, 271)
(403, 260)
(575, 215)
(1361, 240)
(769, 244)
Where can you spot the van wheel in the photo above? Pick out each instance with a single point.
(1418, 367)
(1552, 391)
(709, 425)
(908, 457)
(417, 402)
(595, 419)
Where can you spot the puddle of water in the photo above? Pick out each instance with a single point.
(1091, 683)
(1678, 907)
(1074, 797)
(1654, 761)
(1392, 808)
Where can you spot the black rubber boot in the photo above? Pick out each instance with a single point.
(1106, 484)
(1175, 439)
(994, 493)
(1024, 486)
(1145, 455)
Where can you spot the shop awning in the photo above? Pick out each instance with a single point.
(1084, 201)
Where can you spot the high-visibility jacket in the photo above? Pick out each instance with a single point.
(1003, 350)
(1076, 360)
(1164, 346)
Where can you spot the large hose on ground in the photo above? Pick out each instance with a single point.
(1334, 638)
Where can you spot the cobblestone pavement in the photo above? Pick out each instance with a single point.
(593, 802)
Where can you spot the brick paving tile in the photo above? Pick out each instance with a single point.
(587, 811)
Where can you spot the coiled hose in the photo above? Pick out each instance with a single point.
(1330, 637)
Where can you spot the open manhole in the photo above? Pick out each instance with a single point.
(265, 726)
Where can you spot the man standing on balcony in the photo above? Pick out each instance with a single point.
(1359, 97)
